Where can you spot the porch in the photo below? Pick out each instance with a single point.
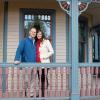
(71, 75)
(16, 81)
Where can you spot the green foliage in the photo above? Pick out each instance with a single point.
(37, 23)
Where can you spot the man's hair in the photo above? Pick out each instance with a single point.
(32, 27)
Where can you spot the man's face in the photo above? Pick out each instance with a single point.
(32, 32)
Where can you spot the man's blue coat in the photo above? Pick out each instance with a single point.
(26, 51)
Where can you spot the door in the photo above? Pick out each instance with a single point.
(83, 39)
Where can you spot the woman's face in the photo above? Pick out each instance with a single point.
(39, 35)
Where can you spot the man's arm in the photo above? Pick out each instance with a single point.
(19, 52)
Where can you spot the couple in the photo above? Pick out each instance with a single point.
(35, 48)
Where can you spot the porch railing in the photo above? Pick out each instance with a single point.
(34, 80)
(89, 80)
(48, 81)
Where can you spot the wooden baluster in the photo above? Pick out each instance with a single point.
(0, 82)
(45, 83)
(64, 81)
(15, 82)
(21, 82)
(35, 81)
(53, 82)
(59, 81)
(40, 75)
(67, 81)
(24, 84)
(50, 81)
(29, 78)
(56, 82)
(92, 72)
(99, 78)
(83, 82)
(61, 71)
(18, 86)
(25, 81)
(92, 83)
(6, 94)
(88, 81)
(96, 83)
(9, 81)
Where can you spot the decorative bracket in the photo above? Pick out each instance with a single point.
(82, 5)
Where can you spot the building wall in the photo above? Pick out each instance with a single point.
(61, 37)
(13, 27)
(1, 32)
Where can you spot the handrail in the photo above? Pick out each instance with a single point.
(89, 64)
(47, 65)
(35, 65)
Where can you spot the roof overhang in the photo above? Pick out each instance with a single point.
(95, 1)
(79, 0)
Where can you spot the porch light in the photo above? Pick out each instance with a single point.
(82, 5)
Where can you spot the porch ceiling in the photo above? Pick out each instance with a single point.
(94, 11)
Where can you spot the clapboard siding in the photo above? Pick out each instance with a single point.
(13, 32)
(60, 37)
(13, 27)
(1, 32)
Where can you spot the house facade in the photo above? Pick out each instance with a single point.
(17, 15)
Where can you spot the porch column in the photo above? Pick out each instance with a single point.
(5, 23)
(74, 50)
(5, 31)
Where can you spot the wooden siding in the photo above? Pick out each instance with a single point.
(60, 37)
(1, 32)
(13, 27)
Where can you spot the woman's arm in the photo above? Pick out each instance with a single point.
(50, 49)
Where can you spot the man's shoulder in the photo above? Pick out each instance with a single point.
(25, 39)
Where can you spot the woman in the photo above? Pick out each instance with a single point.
(43, 48)
(43, 52)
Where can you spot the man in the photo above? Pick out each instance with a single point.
(26, 52)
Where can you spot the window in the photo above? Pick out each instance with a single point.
(83, 40)
(96, 44)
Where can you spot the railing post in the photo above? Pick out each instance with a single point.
(5, 23)
(74, 50)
